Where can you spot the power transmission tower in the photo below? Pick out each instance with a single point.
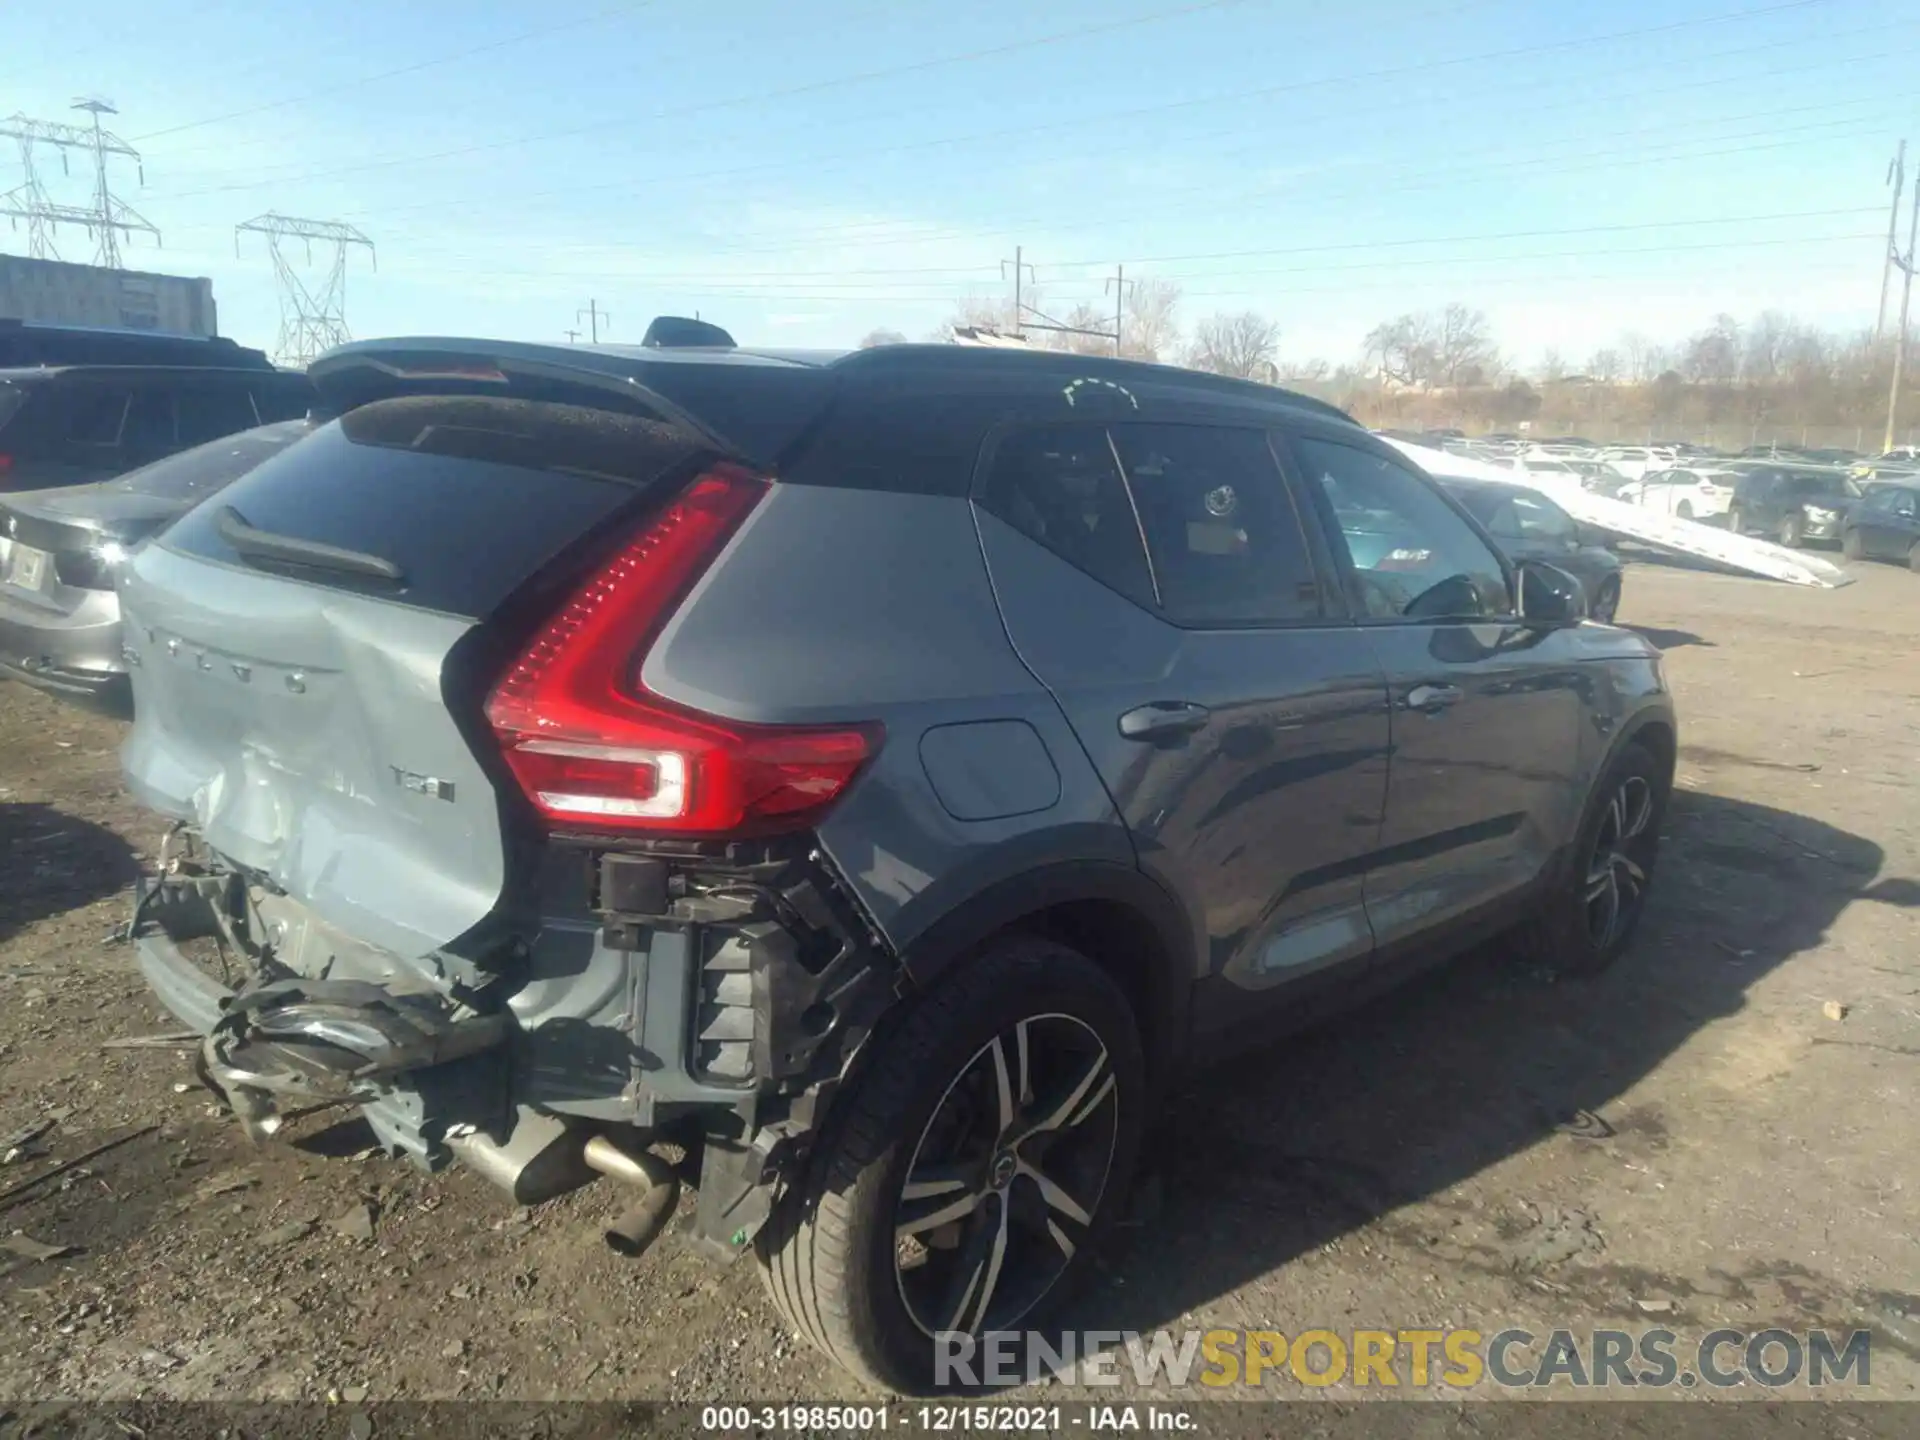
(1118, 283)
(1896, 176)
(311, 320)
(106, 219)
(593, 315)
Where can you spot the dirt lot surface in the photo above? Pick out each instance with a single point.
(1693, 1140)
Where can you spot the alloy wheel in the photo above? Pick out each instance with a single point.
(1007, 1177)
(1616, 871)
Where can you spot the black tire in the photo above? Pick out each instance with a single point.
(1792, 532)
(1736, 522)
(1913, 558)
(1606, 604)
(831, 1254)
(1850, 545)
(1685, 512)
(1562, 936)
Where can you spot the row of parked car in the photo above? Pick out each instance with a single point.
(872, 777)
(1870, 508)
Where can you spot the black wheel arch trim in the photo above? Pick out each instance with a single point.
(1007, 903)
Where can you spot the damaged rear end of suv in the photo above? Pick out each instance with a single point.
(438, 851)
(512, 727)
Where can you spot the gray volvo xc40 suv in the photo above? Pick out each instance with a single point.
(872, 775)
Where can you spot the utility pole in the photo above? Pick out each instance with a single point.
(313, 318)
(1897, 175)
(593, 315)
(1906, 298)
(1020, 268)
(1119, 284)
(573, 336)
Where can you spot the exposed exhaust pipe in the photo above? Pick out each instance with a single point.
(637, 1227)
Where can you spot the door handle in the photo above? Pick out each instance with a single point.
(1432, 699)
(1164, 718)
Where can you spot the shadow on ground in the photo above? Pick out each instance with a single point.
(1668, 639)
(1285, 1150)
(55, 863)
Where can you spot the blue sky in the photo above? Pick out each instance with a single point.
(805, 173)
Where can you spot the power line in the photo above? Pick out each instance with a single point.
(1343, 123)
(412, 69)
(762, 96)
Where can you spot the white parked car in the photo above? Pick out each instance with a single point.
(1634, 461)
(1688, 494)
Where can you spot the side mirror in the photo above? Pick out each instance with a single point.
(1549, 596)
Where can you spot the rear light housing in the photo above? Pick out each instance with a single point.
(594, 750)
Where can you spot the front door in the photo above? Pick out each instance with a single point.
(1158, 579)
(1887, 523)
(1485, 780)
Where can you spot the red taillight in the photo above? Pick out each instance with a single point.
(593, 750)
(6, 463)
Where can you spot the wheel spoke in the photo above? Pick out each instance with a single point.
(1022, 1078)
(1060, 1238)
(977, 1270)
(1055, 1114)
(1055, 1197)
(1093, 1102)
(1637, 803)
(1599, 880)
(1002, 1086)
(928, 1181)
(944, 1214)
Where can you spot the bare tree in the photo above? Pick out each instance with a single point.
(1462, 346)
(1240, 345)
(882, 337)
(1713, 356)
(1402, 350)
(1645, 359)
(1605, 365)
(1765, 352)
(1305, 369)
(1553, 366)
(1151, 330)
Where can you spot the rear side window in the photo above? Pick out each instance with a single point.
(1192, 522)
(1059, 485)
(286, 398)
(92, 417)
(467, 496)
(209, 410)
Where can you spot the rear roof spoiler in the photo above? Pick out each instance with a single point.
(741, 408)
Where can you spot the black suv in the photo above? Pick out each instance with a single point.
(1790, 504)
(873, 776)
(76, 424)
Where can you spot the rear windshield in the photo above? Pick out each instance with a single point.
(468, 495)
(196, 473)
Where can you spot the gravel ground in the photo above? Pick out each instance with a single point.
(1717, 1133)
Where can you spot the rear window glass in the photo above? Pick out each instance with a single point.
(467, 496)
(196, 473)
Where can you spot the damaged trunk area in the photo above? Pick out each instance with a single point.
(703, 997)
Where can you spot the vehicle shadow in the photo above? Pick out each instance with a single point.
(55, 862)
(1662, 639)
(1283, 1151)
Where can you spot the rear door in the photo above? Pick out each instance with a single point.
(1486, 711)
(1887, 523)
(310, 713)
(1158, 579)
